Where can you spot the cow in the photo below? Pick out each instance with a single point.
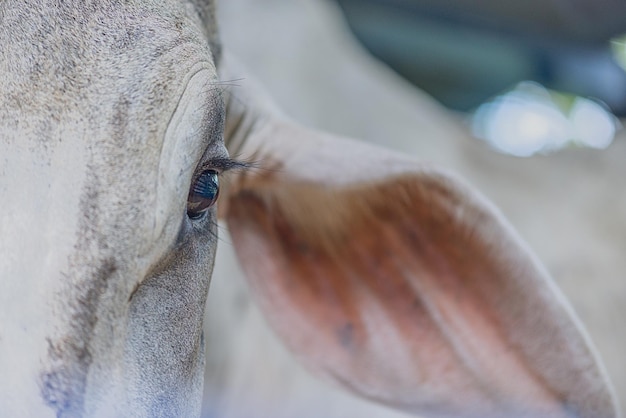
(393, 278)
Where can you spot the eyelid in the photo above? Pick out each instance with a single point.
(219, 165)
(222, 165)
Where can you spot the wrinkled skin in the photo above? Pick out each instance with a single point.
(109, 114)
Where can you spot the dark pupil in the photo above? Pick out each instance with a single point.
(203, 194)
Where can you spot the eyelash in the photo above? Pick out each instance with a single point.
(222, 165)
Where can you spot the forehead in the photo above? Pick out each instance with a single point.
(74, 60)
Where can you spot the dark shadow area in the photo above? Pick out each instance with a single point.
(463, 53)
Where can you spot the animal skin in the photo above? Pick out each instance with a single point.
(400, 283)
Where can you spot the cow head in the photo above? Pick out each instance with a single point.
(111, 112)
(392, 278)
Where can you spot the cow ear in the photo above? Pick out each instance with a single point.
(402, 284)
(408, 288)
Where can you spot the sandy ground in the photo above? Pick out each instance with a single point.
(569, 206)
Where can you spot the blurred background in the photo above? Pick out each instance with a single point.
(537, 75)
(523, 99)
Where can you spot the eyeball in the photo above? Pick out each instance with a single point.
(203, 194)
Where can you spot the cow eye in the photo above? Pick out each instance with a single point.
(203, 194)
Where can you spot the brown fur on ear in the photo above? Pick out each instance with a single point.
(414, 292)
(350, 209)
